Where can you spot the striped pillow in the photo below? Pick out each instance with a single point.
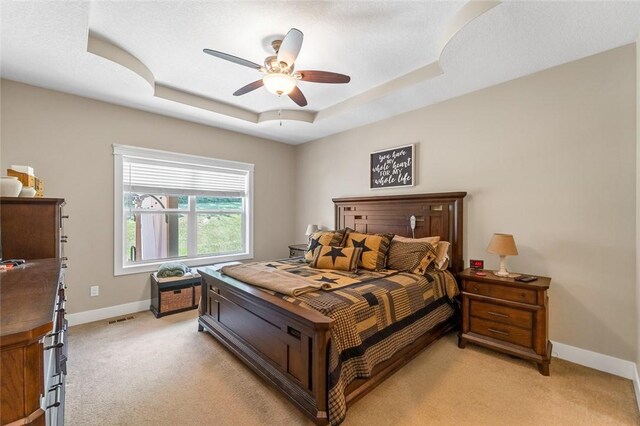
(338, 258)
(374, 249)
(414, 257)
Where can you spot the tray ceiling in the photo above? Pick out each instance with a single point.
(400, 55)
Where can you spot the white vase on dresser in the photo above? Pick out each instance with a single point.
(10, 187)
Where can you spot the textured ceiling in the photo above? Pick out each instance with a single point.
(376, 43)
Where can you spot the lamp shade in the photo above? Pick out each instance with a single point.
(311, 229)
(502, 245)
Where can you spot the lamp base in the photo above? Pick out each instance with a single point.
(509, 275)
(503, 268)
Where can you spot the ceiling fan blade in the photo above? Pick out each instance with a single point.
(290, 46)
(232, 58)
(248, 88)
(297, 97)
(323, 77)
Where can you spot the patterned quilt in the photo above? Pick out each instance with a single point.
(375, 315)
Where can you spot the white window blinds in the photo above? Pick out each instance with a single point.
(150, 171)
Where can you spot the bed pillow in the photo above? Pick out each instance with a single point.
(374, 249)
(431, 240)
(414, 257)
(442, 259)
(324, 238)
(338, 258)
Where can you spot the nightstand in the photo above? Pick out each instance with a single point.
(507, 315)
(297, 250)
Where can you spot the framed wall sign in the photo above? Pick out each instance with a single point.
(391, 168)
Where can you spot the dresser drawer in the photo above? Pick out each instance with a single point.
(501, 314)
(508, 333)
(501, 292)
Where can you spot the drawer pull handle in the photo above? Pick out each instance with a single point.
(493, 330)
(58, 339)
(58, 397)
(475, 289)
(293, 332)
(498, 314)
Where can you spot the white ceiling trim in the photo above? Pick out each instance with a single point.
(100, 46)
(465, 15)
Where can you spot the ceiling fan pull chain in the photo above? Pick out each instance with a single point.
(280, 116)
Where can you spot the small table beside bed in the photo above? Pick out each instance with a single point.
(327, 337)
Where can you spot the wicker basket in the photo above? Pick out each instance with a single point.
(173, 300)
(196, 299)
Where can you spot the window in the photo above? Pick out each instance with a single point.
(171, 206)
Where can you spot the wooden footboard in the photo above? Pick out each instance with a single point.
(284, 343)
(287, 344)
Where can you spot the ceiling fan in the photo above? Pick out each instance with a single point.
(280, 77)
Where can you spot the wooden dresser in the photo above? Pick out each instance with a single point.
(507, 315)
(33, 353)
(32, 227)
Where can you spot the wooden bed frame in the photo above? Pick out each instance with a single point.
(287, 345)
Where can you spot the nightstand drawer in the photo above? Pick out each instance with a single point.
(502, 314)
(501, 292)
(297, 250)
(508, 333)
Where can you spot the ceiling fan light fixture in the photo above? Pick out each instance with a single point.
(279, 84)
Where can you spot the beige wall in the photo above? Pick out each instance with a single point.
(549, 157)
(67, 139)
(638, 209)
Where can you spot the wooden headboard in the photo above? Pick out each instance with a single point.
(436, 214)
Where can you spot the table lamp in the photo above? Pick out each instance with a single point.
(503, 245)
(311, 229)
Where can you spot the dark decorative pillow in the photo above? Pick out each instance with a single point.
(324, 238)
(338, 258)
(415, 257)
(374, 249)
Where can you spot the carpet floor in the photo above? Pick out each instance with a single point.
(148, 371)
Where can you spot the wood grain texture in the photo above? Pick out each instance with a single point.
(436, 215)
(30, 227)
(507, 315)
(27, 298)
(29, 295)
(324, 77)
(498, 291)
(287, 345)
(503, 314)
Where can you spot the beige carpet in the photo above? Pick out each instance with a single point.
(149, 371)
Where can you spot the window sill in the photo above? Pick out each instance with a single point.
(198, 261)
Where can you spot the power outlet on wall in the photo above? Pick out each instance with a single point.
(95, 290)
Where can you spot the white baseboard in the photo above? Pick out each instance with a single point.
(601, 362)
(595, 360)
(109, 312)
